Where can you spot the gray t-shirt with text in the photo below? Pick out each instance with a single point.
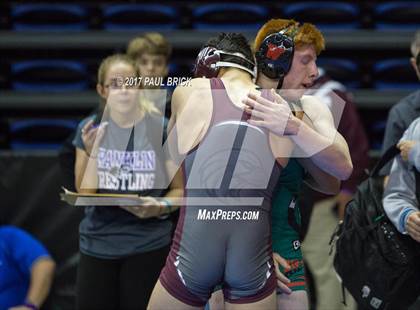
(127, 163)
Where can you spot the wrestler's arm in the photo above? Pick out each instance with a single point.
(281, 147)
(191, 113)
(176, 105)
(276, 116)
(332, 154)
(319, 180)
(316, 178)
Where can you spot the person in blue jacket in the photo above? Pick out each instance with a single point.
(26, 270)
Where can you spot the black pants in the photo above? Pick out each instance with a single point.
(118, 284)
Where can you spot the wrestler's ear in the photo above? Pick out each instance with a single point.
(101, 90)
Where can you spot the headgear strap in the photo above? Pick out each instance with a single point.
(210, 60)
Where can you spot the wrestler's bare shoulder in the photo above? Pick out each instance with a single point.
(196, 84)
(197, 90)
(193, 107)
(313, 107)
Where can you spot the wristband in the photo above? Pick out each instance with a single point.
(404, 218)
(30, 305)
(168, 207)
(168, 204)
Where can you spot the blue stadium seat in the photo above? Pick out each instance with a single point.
(376, 131)
(402, 15)
(49, 17)
(173, 69)
(181, 67)
(342, 70)
(139, 17)
(49, 75)
(45, 134)
(229, 17)
(394, 74)
(327, 15)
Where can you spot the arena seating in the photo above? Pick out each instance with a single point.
(52, 49)
(30, 134)
(326, 14)
(49, 75)
(404, 15)
(229, 16)
(123, 17)
(49, 16)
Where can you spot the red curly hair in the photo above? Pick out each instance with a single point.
(305, 34)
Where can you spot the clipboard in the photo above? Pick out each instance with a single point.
(96, 199)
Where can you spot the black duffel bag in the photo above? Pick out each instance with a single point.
(378, 265)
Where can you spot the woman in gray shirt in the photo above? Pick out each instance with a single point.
(123, 248)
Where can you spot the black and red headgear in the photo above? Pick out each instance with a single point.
(275, 55)
(210, 60)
